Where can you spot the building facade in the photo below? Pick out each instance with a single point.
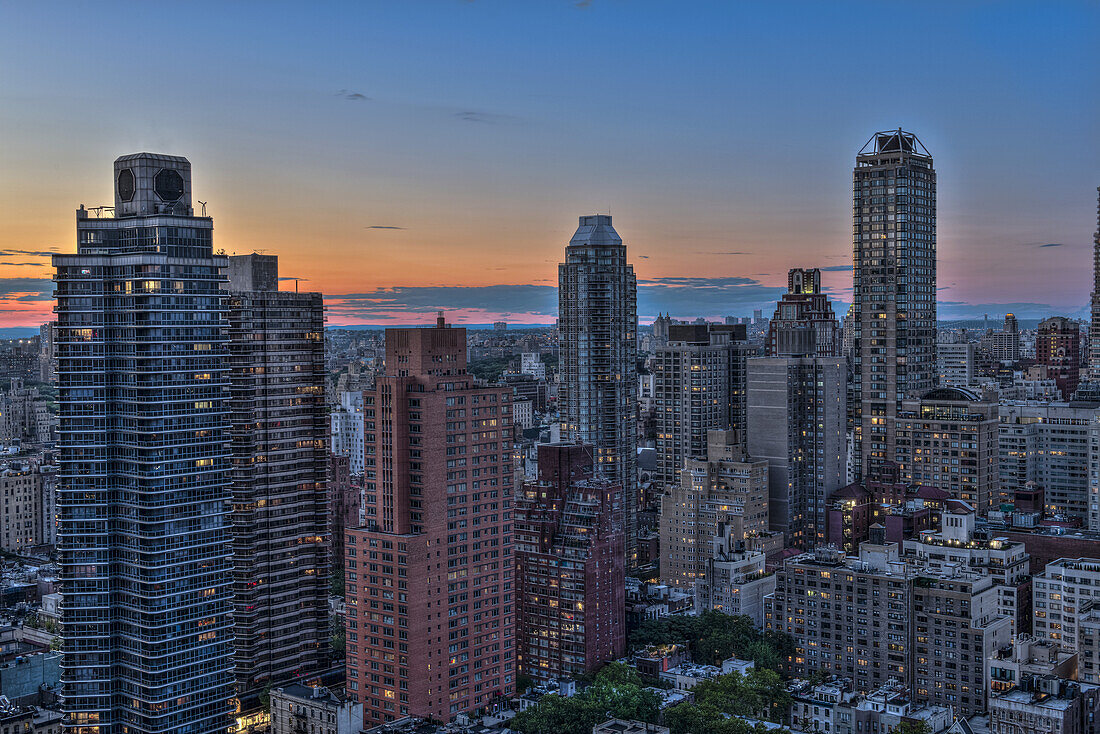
(279, 439)
(796, 422)
(948, 438)
(347, 430)
(21, 515)
(894, 296)
(429, 578)
(298, 709)
(1051, 445)
(875, 618)
(1058, 348)
(570, 568)
(698, 386)
(143, 398)
(727, 488)
(955, 364)
(597, 364)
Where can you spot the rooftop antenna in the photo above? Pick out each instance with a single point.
(203, 203)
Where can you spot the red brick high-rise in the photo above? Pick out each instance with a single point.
(570, 569)
(1058, 348)
(430, 627)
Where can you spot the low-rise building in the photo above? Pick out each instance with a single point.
(686, 676)
(296, 709)
(1046, 704)
(622, 726)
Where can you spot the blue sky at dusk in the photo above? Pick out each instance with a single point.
(408, 156)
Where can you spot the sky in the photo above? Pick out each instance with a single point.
(404, 157)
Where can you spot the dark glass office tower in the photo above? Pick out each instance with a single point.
(144, 486)
(894, 295)
(597, 332)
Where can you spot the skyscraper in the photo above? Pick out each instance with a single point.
(570, 583)
(698, 385)
(280, 470)
(597, 328)
(804, 323)
(894, 295)
(144, 486)
(429, 579)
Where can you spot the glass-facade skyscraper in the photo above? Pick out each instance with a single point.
(894, 294)
(144, 485)
(597, 331)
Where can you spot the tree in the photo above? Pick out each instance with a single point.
(713, 637)
(912, 726)
(613, 693)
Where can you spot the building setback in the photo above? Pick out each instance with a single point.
(144, 480)
(429, 579)
(894, 295)
(728, 489)
(280, 479)
(598, 333)
(698, 386)
(570, 572)
(804, 323)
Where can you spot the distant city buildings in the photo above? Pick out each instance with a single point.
(894, 297)
(597, 325)
(955, 363)
(348, 430)
(1004, 345)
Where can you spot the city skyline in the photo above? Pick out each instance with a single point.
(410, 181)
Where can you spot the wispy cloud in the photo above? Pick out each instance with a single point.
(29, 253)
(353, 96)
(486, 118)
(583, 4)
(1052, 244)
(382, 226)
(836, 268)
(738, 252)
(25, 265)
